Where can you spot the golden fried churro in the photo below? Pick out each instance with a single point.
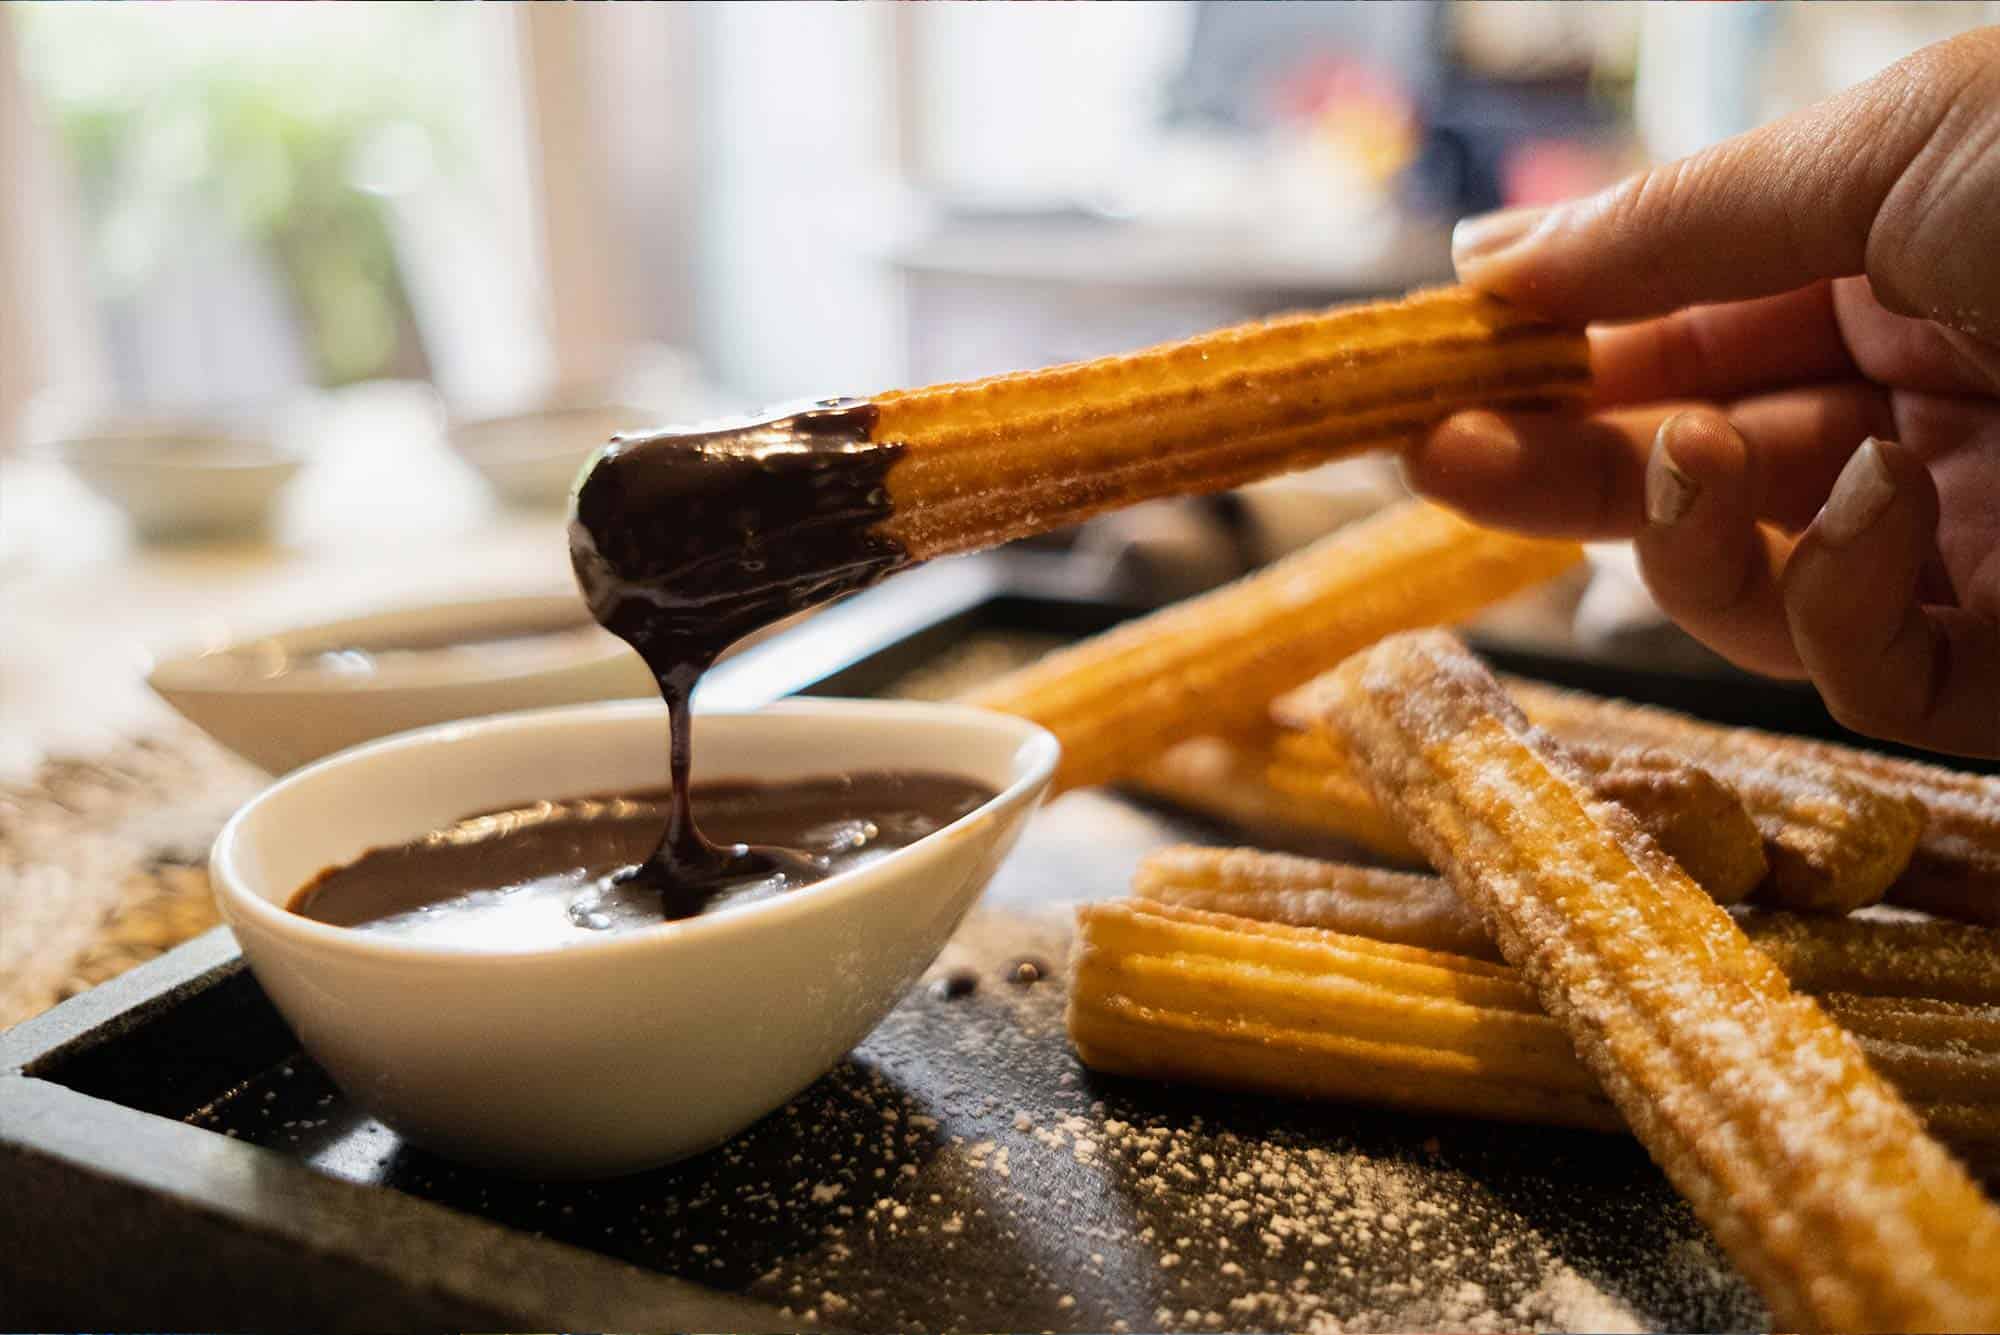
(1389, 906)
(1836, 839)
(1210, 665)
(1813, 1175)
(991, 460)
(1955, 870)
(1173, 992)
(1699, 822)
(1929, 962)
(1234, 779)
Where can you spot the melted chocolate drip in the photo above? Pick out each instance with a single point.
(684, 542)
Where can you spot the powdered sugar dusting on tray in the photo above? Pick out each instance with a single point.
(962, 1171)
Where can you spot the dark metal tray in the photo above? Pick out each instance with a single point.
(169, 1158)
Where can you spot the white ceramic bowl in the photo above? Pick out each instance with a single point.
(609, 1055)
(283, 700)
(183, 485)
(530, 459)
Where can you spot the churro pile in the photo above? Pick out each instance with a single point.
(1601, 915)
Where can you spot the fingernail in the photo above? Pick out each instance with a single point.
(1670, 492)
(1860, 495)
(1481, 238)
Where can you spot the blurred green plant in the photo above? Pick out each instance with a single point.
(263, 117)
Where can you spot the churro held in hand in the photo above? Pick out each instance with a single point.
(1812, 1174)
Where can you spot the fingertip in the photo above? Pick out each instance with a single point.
(1702, 443)
(1486, 250)
(1851, 593)
(1702, 554)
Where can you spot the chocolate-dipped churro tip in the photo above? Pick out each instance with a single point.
(684, 542)
(700, 537)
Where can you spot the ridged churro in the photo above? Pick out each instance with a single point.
(1234, 779)
(1955, 869)
(1812, 1174)
(991, 460)
(1699, 821)
(1393, 907)
(1169, 991)
(1210, 665)
(1925, 961)
(1836, 839)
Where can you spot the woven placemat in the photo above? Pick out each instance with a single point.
(103, 862)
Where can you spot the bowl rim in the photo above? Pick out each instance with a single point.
(467, 435)
(201, 674)
(1037, 752)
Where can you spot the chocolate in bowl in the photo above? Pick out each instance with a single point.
(556, 871)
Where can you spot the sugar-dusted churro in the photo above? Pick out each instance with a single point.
(1699, 821)
(1395, 907)
(1955, 870)
(1928, 962)
(1813, 1175)
(1836, 838)
(1169, 991)
(1211, 665)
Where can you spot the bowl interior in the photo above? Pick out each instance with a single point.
(402, 787)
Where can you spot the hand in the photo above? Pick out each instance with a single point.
(1827, 290)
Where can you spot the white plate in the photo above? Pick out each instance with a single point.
(609, 1055)
(283, 700)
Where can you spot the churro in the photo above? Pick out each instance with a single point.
(1812, 1174)
(1210, 665)
(990, 460)
(1836, 839)
(1916, 960)
(1955, 869)
(1173, 992)
(1394, 907)
(1235, 779)
(1699, 821)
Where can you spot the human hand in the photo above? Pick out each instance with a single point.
(1827, 288)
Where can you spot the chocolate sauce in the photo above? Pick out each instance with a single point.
(536, 875)
(685, 542)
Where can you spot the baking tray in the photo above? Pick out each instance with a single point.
(170, 1159)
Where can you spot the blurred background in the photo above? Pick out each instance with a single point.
(309, 309)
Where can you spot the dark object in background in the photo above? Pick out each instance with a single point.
(1472, 120)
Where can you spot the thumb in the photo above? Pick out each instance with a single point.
(1893, 178)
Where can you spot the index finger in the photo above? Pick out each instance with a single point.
(1804, 198)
